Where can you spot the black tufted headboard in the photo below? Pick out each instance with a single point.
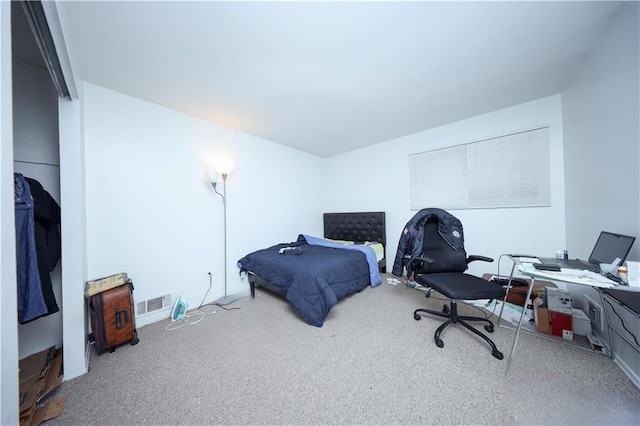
(359, 227)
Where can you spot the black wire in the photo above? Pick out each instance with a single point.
(202, 304)
(218, 305)
(621, 321)
(205, 295)
(225, 308)
(481, 310)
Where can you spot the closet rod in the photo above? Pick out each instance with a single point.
(36, 162)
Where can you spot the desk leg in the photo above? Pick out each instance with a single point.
(513, 268)
(609, 331)
(515, 340)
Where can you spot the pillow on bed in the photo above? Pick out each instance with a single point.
(378, 248)
(340, 241)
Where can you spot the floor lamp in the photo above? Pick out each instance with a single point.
(213, 178)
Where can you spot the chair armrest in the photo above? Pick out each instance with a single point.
(474, 257)
(417, 263)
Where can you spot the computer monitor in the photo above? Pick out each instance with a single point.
(609, 246)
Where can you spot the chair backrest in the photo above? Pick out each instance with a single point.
(445, 258)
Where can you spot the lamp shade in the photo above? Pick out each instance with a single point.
(224, 167)
(212, 175)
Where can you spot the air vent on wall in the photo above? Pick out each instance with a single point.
(152, 305)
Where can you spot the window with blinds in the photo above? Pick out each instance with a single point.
(506, 171)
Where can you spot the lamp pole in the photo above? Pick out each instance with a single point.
(226, 300)
(224, 202)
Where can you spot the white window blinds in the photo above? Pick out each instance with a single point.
(506, 171)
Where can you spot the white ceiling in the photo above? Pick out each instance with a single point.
(330, 77)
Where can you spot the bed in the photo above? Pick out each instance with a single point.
(313, 273)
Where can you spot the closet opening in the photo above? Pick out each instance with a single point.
(38, 83)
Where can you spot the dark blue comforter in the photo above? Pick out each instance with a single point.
(312, 277)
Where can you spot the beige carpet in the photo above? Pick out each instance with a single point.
(371, 363)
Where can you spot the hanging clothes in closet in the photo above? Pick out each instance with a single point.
(38, 245)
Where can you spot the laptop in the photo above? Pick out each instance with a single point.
(609, 246)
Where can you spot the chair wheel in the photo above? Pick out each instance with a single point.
(489, 328)
(417, 317)
(440, 343)
(497, 354)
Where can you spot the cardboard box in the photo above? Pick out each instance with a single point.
(581, 323)
(40, 374)
(103, 284)
(541, 316)
(540, 292)
(557, 299)
(557, 322)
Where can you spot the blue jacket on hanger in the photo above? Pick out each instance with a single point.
(31, 303)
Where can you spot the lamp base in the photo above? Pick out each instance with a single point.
(227, 300)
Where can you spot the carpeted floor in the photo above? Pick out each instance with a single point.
(371, 363)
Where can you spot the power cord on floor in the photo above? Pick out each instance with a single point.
(189, 319)
(196, 315)
(219, 306)
(202, 304)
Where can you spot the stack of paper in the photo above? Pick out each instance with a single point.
(633, 273)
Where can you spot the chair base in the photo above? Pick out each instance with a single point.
(453, 318)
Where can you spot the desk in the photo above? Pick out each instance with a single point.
(569, 276)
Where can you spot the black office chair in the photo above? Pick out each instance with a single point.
(441, 268)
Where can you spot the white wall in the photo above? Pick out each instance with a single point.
(35, 111)
(601, 110)
(8, 292)
(491, 232)
(36, 154)
(152, 213)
